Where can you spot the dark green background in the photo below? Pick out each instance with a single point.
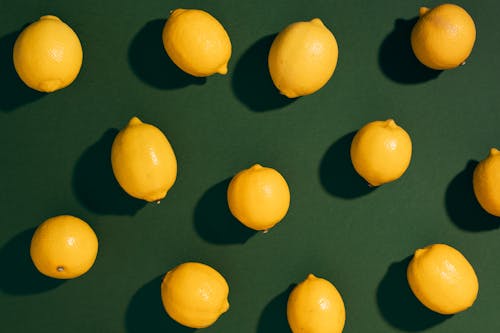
(55, 160)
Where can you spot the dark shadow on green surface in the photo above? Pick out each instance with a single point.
(13, 92)
(396, 57)
(150, 62)
(462, 206)
(252, 82)
(337, 174)
(399, 306)
(273, 318)
(19, 275)
(94, 183)
(145, 312)
(214, 222)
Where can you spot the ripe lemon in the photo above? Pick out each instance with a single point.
(47, 54)
(194, 294)
(443, 37)
(486, 182)
(442, 279)
(258, 197)
(302, 58)
(143, 161)
(196, 42)
(381, 152)
(315, 306)
(64, 247)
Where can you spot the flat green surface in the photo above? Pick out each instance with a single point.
(55, 160)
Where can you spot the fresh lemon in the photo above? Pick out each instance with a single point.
(64, 247)
(258, 197)
(196, 42)
(442, 279)
(194, 294)
(486, 182)
(47, 54)
(302, 58)
(143, 161)
(315, 306)
(381, 152)
(443, 37)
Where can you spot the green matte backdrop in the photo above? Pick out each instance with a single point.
(55, 160)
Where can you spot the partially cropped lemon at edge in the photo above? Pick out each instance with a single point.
(194, 294)
(47, 54)
(143, 161)
(197, 42)
(258, 197)
(302, 58)
(486, 182)
(442, 279)
(381, 152)
(443, 37)
(315, 306)
(63, 247)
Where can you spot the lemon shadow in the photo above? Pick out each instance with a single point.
(273, 317)
(145, 312)
(19, 275)
(94, 183)
(13, 92)
(337, 174)
(462, 206)
(150, 63)
(251, 81)
(214, 222)
(397, 60)
(399, 306)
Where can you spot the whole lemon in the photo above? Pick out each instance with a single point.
(64, 247)
(381, 152)
(315, 306)
(143, 161)
(486, 182)
(302, 58)
(47, 54)
(442, 279)
(443, 37)
(194, 294)
(196, 42)
(258, 197)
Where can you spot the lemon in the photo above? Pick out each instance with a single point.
(47, 54)
(258, 197)
(196, 42)
(194, 294)
(143, 161)
(315, 306)
(63, 247)
(381, 152)
(302, 58)
(486, 182)
(443, 37)
(442, 279)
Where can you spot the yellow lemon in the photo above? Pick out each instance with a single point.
(258, 197)
(442, 279)
(486, 182)
(302, 58)
(47, 54)
(443, 37)
(194, 294)
(315, 306)
(143, 161)
(196, 42)
(381, 152)
(64, 247)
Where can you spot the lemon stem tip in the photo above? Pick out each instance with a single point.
(422, 11)
(60, 268)
(494, 151)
